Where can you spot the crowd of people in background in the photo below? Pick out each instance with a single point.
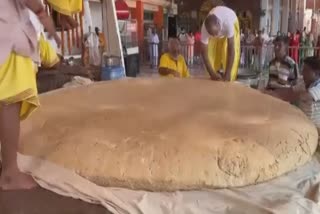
(286, 80)
(256, 45)
(188, 42)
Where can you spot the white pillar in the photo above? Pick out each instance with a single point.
(293, 16)
(301, 8)
(111, 30)
(263, 19)
(276, 17)
(285, 16)
(87, 16)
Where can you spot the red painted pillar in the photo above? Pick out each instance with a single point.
(158, 18)
(139, 14)
(133, 13)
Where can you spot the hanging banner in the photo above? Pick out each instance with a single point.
(122, 9)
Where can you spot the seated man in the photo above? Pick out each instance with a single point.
(283, 71)
(306, 94)
(172, 63)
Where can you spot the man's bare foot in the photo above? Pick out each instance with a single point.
(16, 181)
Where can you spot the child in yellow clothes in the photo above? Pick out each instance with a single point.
(18, 91)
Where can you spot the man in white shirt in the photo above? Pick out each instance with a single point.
(154, 48)
(220, 38)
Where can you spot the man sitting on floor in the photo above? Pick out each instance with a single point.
(283, 70)
(306, 94)
(173, 64)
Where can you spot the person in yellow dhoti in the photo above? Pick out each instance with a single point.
(67, 8)
(18, 90)
(220, 38)
(48, 56)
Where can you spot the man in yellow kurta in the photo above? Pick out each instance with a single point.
(173, 64)
(18, 90)
(220, 38)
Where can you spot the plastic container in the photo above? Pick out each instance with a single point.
(112, 72)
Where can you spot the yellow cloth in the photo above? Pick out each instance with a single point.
(218, 53)
(18, 84)
(180, 66)
(67, 7)
(48, 55)
(102, 41)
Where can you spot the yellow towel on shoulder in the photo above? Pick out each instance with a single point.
(18, 84)
(67, 7)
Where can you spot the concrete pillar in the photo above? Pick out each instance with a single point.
(285, 16)
(301, 10)
(263, 19)
(276, 17)
(87, 17)
(293, 16)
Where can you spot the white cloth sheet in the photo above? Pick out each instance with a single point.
(294, 193)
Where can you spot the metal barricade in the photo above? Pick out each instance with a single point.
(259, 58)
(298, 54)
(151, 53)
(187, 51)
(252, 58)
(154, 54)
(255, 58)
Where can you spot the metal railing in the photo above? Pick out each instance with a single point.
(255, 58)
(252, 58)
(259, 58)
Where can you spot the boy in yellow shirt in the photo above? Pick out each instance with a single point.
(172, 64)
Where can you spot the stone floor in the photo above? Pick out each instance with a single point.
(40, 201)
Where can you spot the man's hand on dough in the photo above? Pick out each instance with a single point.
(176, 74)
(216, 77)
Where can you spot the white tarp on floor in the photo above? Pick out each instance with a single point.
(295, 193)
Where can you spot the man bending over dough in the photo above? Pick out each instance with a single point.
(220, 38)
(306, 94)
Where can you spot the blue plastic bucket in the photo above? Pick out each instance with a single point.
(112, 72)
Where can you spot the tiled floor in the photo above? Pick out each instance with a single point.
(40, 201)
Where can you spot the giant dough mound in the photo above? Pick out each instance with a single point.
(163, 135)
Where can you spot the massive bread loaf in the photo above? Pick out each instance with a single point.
(167, 134)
